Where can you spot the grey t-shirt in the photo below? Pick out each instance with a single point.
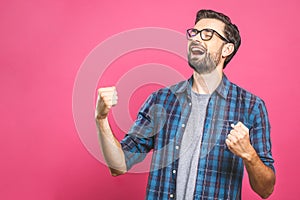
(190, 148)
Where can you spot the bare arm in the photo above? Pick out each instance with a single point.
(110, 146)
(261, 177)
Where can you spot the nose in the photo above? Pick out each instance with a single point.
(197, 38)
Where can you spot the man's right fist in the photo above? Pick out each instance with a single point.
(107, 97)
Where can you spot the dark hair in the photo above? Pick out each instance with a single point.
(231, 31)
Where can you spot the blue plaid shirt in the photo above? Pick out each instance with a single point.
(160, 126)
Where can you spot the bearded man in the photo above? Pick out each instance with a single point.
(202, 131)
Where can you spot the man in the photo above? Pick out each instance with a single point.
(202, 131)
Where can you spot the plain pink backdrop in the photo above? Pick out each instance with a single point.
(43, 44)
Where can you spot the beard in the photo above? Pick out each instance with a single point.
(205, 63)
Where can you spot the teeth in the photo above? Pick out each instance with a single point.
(197, 49)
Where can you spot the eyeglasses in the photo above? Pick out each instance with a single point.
(205, 34)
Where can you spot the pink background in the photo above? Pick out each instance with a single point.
(43, 44)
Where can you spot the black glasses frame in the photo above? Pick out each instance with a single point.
(189, 36)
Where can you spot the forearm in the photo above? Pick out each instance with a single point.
(261, 177)
(111, 148)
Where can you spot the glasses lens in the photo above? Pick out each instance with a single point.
(206, 34)
(192, 33)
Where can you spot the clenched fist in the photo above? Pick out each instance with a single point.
(238, 141)
(107, 97)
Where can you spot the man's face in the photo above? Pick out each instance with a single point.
(205, 56)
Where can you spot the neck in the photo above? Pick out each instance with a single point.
(207, 83)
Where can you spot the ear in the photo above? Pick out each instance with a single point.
(227, 49)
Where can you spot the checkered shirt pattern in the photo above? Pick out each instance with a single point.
(159, 128)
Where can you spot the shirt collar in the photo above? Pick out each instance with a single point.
(184, 86)
(222, 89)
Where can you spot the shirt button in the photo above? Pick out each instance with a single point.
(171, 195)
(182, 125)
(190, 104)
(176, 147)
(174, 171)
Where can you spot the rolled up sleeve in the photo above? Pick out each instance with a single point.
(260, 136)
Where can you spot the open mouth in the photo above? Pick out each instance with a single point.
(197, 50)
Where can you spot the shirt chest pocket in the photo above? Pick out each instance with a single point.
(224, 130)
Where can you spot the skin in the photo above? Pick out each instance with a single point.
(110, 146)
(261, 177)
(206, 83)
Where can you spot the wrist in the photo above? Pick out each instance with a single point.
(100, 117)
(101, 120)
(103, 126)
(250, 157)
